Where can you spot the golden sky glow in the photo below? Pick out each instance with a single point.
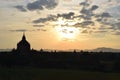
(60, 24)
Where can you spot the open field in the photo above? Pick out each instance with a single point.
(54, 74)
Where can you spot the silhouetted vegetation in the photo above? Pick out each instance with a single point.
(95, 61)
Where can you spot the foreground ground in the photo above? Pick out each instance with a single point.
(54, 74)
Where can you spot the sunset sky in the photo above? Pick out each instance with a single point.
(60, 24)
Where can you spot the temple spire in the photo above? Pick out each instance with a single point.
(23, 38)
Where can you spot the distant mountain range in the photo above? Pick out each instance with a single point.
(104, 49)
(2, 50)
(101, 49)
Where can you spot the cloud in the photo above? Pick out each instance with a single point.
(94, 7)
(84, 24)
(20, 8)
(86, 19)
(116, 26)
(117, 33)
(19, 30)
(77, 25)
(109, 0)
(66, 15)
(34, 6)
(105, 14)
(115, 11)
(85, 3)
(99, 19)
(44, 30)
(38, 5)
(69, 15)
(87, 23)
(38, 25)
(103, 27)
(87, 11)
(100, 31)
(85, 31)
(89, 16)
(106, 19)
(41, 4)
(26, 30)
(43, 20)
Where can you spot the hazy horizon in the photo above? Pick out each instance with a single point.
(60, 24)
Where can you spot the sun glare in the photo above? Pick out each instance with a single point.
(60, 21)
(66, 33)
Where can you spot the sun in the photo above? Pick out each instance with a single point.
(66, 33)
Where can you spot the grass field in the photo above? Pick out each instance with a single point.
(54, 74)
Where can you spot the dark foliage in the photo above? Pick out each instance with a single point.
(100, 61)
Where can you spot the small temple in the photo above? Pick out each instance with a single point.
(23, 45)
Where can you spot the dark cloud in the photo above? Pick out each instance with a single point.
(66, 15)
(19, 30)
(51, 4)
(87, 11)
(84, 24)
(103, 27)
(85, 31)
(26, 30)
(87, 8)
(54, 17)
(38, 25)
(71, 31)
(105, 14)
(99, 19)
(41, 4)
(43, 20)
(35, 5)
(109, 0)
(77, 25)
(84, 17)
(94, 7)
(104, 18)
(116, 26)
(85, 3)
(38, 5)
(113, 27)
(43, 30)
(117, 33)
(63, 25)
(87, 23)
(100, 31)
(20, 8)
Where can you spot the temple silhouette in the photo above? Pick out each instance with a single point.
(23, 46)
